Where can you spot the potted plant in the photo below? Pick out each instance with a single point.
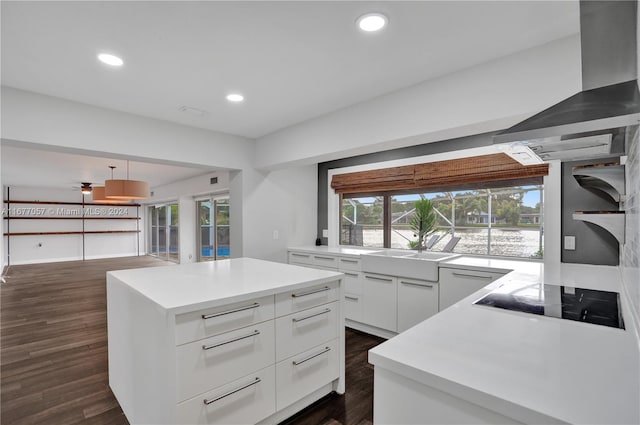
(423, 223)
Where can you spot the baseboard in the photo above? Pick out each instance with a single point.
(63, 259)
(372, 330)
(291, 410)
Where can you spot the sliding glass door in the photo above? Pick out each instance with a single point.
(213, 228)
(164, 232)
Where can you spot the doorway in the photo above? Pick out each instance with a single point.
(164, 232)
(213, 228)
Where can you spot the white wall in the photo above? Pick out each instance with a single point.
(283, 201)
(484, 98)
(194, 186)
(2, 259)
(49, 248)
(35, 118)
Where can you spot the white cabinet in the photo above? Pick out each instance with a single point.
(223, 358)
(256, 359)
(456, 284)
(353, 295)
(379, 307)
(300, 258)
(247, 400)
(305, 329)
(214, 321)
(417, 301)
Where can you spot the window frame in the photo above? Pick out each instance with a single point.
(387, 212)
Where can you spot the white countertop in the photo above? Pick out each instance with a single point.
(187, 287)
(504, 265)
(531, 368)
(342, 250)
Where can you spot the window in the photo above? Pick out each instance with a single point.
(498, 221)
(213, 222)
(164, 232)
(362, 221)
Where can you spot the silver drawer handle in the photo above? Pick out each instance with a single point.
(209, 347)
(471, 275)
(293, 254)
(383, 279)
(250, 384)
(423, 285)
(235, 310)
(315, 291)
(326, 350)
(344, 260)
(351, 274)
(348, 297)
(325, 311)
(324, 258)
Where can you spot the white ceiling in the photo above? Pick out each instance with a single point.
(292, 60)
(39, 168)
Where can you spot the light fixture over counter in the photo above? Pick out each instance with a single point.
(99, 197)
(116, 190)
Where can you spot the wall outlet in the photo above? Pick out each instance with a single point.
(276, 234)
(570, 243)
(325, 233)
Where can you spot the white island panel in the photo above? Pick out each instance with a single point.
(532, 369)
(182, 338)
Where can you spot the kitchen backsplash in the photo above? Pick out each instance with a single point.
(630, 256)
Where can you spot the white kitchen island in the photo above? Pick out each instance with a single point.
(232, 341)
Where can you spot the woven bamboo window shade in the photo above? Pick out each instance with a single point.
(479, 171)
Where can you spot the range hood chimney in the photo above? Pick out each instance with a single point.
(608, 103)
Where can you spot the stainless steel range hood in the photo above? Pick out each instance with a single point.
(609, 102)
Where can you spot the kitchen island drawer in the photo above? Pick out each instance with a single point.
(306, 372)
(245, 401)
(213, 321)
(301, 299)
(305, 329)
(211, 362)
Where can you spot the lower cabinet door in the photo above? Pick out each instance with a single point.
(379, 306)
(417, 301)
(306, 372)
(245, 401)
(211, 362)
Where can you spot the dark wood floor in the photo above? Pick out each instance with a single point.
(53, 355)
(53, 351)
(355, 407)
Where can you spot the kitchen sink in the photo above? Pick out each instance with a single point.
(403, 263)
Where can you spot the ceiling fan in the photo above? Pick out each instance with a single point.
(85, 188)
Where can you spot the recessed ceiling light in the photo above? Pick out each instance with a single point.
(371, 22)
(235, 97)
(110, 59)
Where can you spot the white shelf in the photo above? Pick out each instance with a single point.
(613, 221)
(605, 178)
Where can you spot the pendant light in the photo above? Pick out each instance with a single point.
(126, 189)
(99, 196)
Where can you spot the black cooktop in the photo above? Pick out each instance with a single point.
(563, 302)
